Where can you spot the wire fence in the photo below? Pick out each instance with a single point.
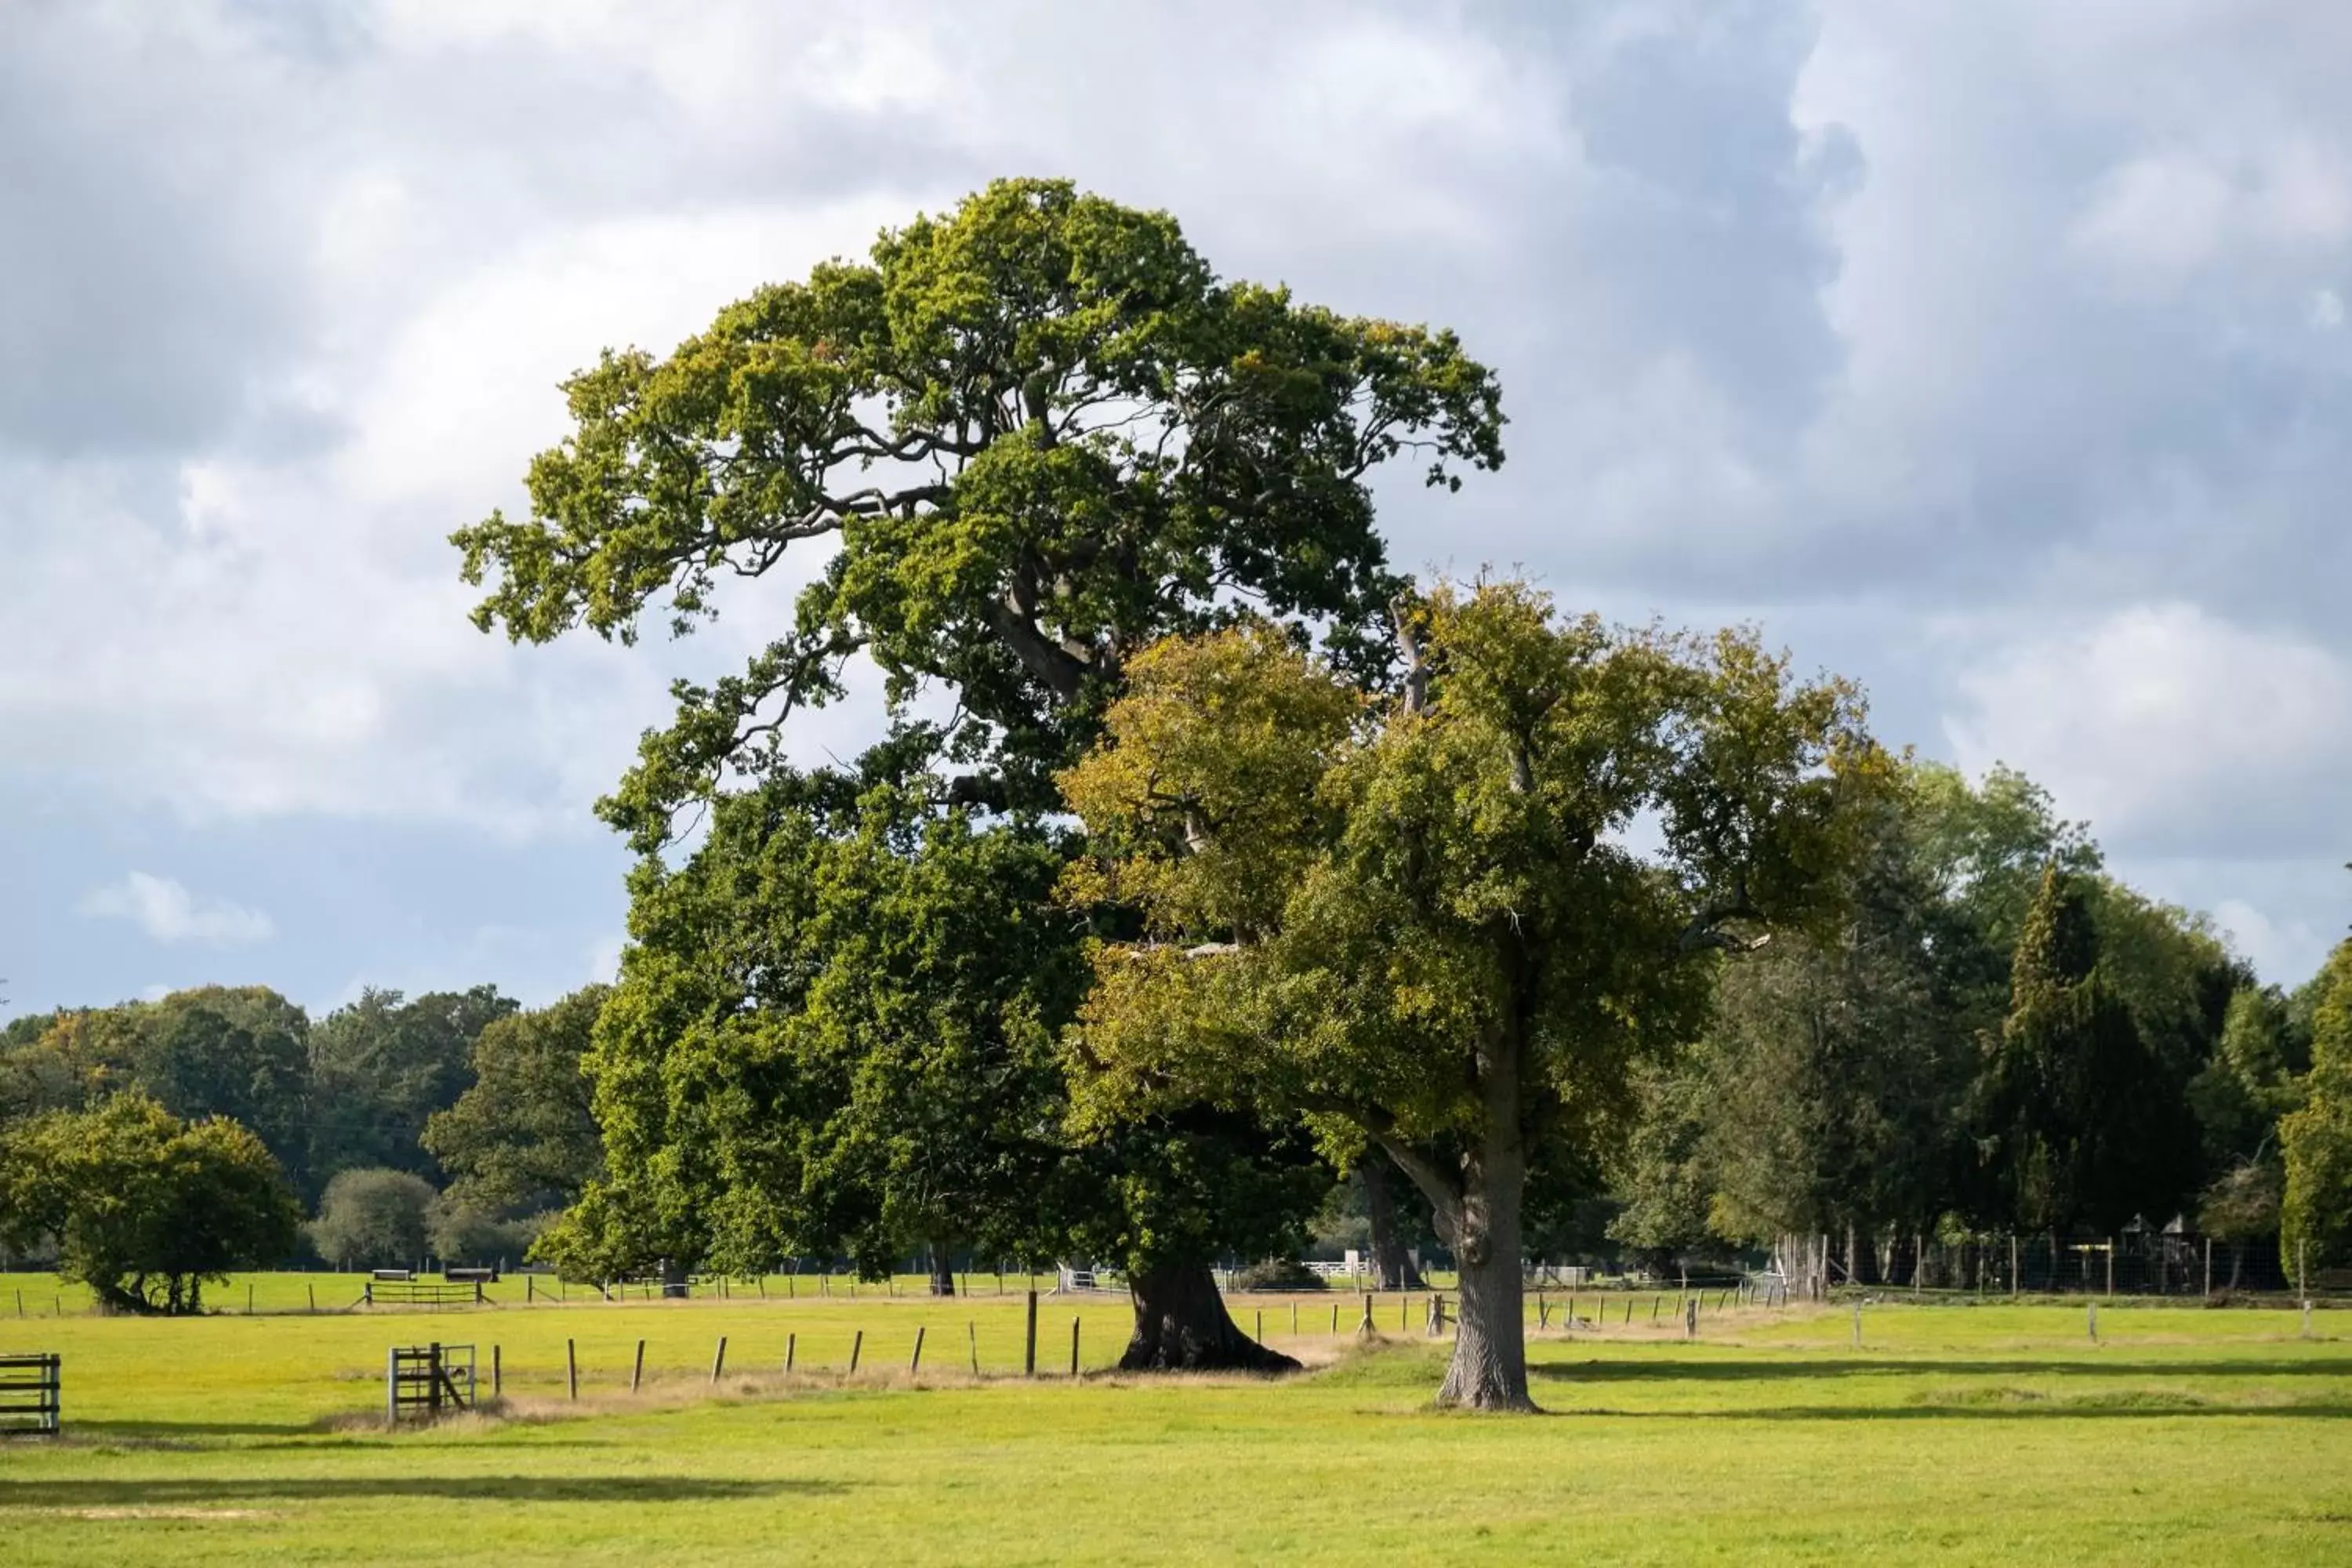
(2130, 1263)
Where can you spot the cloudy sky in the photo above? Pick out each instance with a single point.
(1994, 352)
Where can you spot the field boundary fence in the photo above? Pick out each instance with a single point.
(2165, 1263)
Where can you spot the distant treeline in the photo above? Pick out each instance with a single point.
(446, 1122)
(1998, 1036)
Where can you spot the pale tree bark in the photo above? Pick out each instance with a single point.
(1477, 1208)
(943, 1274)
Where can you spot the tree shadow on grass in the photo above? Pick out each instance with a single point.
(2091, 1409)
(1711, 1370)
(631, 1489)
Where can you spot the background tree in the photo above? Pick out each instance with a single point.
(373, 1218)
(522, 1138)
(2081, 1121)
(146, 1209)
(1829, 1090)
(382, 1067)
(1425, 922)
(1037, 433)
(2315, 1212)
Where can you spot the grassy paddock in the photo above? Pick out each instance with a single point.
(1977, 1434)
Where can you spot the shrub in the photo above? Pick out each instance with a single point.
(373, 1217)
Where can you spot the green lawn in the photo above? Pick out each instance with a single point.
(1952, 1434)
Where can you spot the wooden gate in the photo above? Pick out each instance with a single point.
(29, 1389)
(428, 1380)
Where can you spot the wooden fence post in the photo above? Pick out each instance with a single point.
(2016, 1280)
(1029, 1344)
(971, 1331)
(637, 1367)
(2209, 1267)
(856, 1345)
(791, 1344)
(2095, 1322)
(1074, 1345)
(498, 1373)
(571, 1368)
(915, 1362)
(718, 1361)
(2111, 1266)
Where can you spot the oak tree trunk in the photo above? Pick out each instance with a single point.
(1489, 1369)
(1392, 1266)
(1181, 1325)
(942, 1275)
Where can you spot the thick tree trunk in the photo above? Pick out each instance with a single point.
(1181, 1325)
(1392, 1267)
(1489, 1369)
(942, 1276)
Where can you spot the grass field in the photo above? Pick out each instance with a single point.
(1959, 1434)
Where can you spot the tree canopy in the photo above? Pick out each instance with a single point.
(382, 1067)
(2082, 1122)
(1037, 432)
(2316, 1208)
(1425, 919)
(373, 1217)
(522, 1138)
(145, 1208)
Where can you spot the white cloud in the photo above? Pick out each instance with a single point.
(170, 915)
(2275, 947)
(2171, 731)
(1930, 315)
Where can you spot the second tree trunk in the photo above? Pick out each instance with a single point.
(1181, 1325)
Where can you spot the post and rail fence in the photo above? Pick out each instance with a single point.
(31, 1394)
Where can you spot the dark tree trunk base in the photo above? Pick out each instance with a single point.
(1181, 1325)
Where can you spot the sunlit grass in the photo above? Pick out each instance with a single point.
(1954, 1434)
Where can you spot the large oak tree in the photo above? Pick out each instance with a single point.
(1026, 438)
